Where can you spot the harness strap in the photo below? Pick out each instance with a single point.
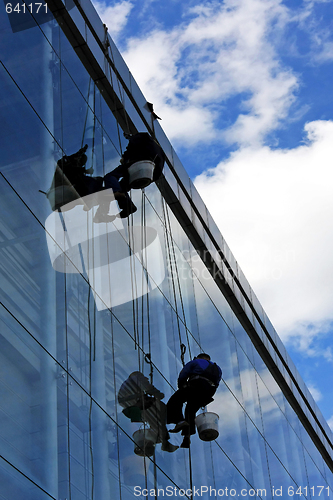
(196, 377)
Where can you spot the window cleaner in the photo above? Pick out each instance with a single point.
(197, 383)
(141, 401)
(72, 181)
(141, 148)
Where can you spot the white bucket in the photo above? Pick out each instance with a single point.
(141, 174)
(208, 426)
(145, 440)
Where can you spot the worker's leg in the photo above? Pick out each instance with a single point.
(175, 407)
(125, 203)
(93, 184)
(156, 418)
(111, 180)
(200, 394)
(191, 409)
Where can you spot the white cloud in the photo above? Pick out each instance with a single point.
(315, 393)
(330, 422)
(115, 17)
(221, 51)
(308, 20)
(274, 209)
(271, 205)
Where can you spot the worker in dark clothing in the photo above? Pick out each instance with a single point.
(71, 172)
(74, 170)
(197, 383)
(142, 403)
(141, 146)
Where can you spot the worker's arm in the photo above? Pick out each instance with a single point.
(185, 373)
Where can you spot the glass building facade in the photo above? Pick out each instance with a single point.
(84, 305)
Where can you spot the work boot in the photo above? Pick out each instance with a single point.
(179, 426)
(104, 218)
(118, 195)
(126, 205)
(130, 209)
(169, 447)
(186, 442)
(102, 215)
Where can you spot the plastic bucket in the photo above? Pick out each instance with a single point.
(208, 426)
(141, 174)
(145, 440)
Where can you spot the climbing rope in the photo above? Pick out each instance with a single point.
(178, 282)
(174, 272)
(86, 114)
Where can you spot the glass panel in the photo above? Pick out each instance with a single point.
(230, 258)
(120, 64)
(181, 172)
(233, 433)
(94, 18)
(249, 388)
(280, 478)
(185, 202)
(258, 458)
(73, 343)
(15, 486)
(198, 226)
(198, 203)
(163, 140)
(139, 99)
(170, 178)
(33, 411)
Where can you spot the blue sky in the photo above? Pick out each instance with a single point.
(244, 89)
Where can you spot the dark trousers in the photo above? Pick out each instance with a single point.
(111, 180)
(198, 393)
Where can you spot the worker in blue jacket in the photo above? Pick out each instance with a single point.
(197, 383)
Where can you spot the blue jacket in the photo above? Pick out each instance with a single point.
(196, 367)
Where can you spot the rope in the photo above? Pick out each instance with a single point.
(167, 237)
(179, 286)
(182, 353)
(91, 401)
(92, 352)
(133, 285)
(94, 127)
(182, 346)
(116, 402)
(65, 294)
(86, 117)
(173, 265)
(102, 133)
(145, 276)
(190, 466)
(92, 332)
(67, 390)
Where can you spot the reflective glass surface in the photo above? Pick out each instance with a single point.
(99, 316)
